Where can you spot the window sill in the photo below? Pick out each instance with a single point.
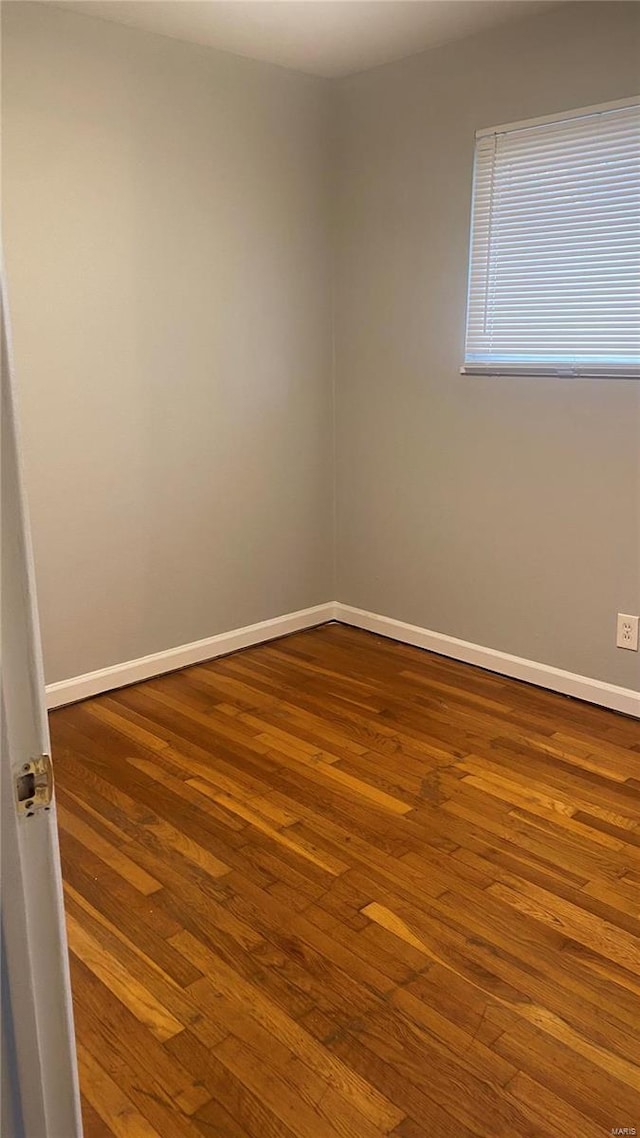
(558, 372)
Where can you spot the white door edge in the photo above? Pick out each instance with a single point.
(38, 1023)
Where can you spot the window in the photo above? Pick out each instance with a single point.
(554, 275)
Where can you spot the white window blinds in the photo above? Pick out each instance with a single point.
(554, 276)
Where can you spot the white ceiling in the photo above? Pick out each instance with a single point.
(322, 37)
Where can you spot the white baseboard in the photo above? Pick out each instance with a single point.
(132, 671)
(517, 667)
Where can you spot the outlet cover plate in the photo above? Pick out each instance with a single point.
(627, 632)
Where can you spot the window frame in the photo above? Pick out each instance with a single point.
(539, 368)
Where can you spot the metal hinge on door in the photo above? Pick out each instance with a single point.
(34, 786)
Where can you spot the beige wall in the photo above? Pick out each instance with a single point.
(501, 511)
(166, 235)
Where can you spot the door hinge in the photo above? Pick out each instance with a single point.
(34, 786)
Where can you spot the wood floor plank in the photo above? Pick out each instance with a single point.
(111, 855)
(121, 1042)
(269, 1015)
(109, 1102)
(120, 982)
(338, 887)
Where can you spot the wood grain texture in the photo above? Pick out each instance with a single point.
(337, 887)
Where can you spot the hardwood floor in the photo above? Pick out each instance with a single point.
(336, 886)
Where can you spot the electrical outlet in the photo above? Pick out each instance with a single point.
(627, 632)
